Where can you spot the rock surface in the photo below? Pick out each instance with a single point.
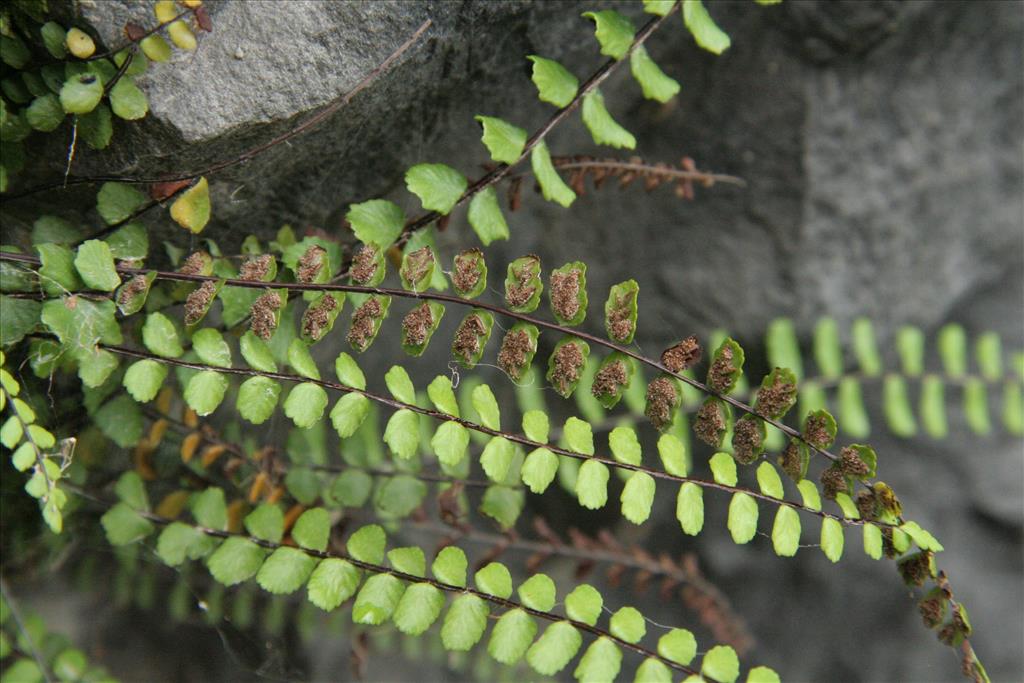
(881, 144)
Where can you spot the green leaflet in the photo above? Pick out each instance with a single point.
(555, 85)
(782, 346)
(438, 186)
(179, 541)
(539, 469)
(236, 560)
(511, 636)
(348, 372)
(786, 531)
(123, 525)
(723, 469)
(211, 348)
(551, 184)
(628, 624)
(367, 544)
(873, 541)
(690, 508)
(584, 604)
(377, 599)
(614, 32)
(600, 663)
(910, 346)
(976, 406)
(450, 566)
(652, 670)
(45, 113)
(128, 102)
(592, 484)
(408, 560)
(624, 445)
(257, 399)
(673, 455)
(129, 242)
(205, 391)
(266, 522)
(762, 674)
(95, 264)
(305, 404)
(933, 407)
(703, 27)
(853, 416)
(144, 378)
(378, 221)
(450, 442)
(400, 385)
(417, 269)
(352, 488)
(494, 579)
(742, 518)
(768, 481)
(486, 406)
(332, 582)
(721, 664)
(896, 403)
(952, 343)
(285, 571)
(504, 141)
(656, 85)
(555, 648)
(312, 529)
(989, 353)
(81, 93)
(160, 336)
(603, 128)
(116, 202)
(348, 413)
(419, 607)
(129, 488)
(485, 216)
(832, 539)
(679, 645)
(497, 457)
(464, 623)
(578, 436)
(637, 497)
(57, 274)
(865, 347)
(810, 495)
(402, 434)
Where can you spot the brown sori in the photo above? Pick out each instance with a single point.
(362, 323)
(746, 441)
(681, 356)
(416, 325)
(709, 423)
(775, 399)
(466, 275)
(467, 338)
(256, 267)
(317, 316)
(662, 398)
(199, 301)
(722, 369)
(851, 463)
(832, 482)
(791, 462)
(310, 264)
(520, 292)
(620, 320)
(565, 294)
(264, 315)
(194, 264)
(568, 364)
(134, 287)
(816, 431)
(610, 379)
(364, 264)
(515, 348)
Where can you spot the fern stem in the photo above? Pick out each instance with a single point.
(515, 438)
(440, 585)
(588, 86)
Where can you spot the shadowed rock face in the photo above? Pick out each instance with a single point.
(881, 143)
